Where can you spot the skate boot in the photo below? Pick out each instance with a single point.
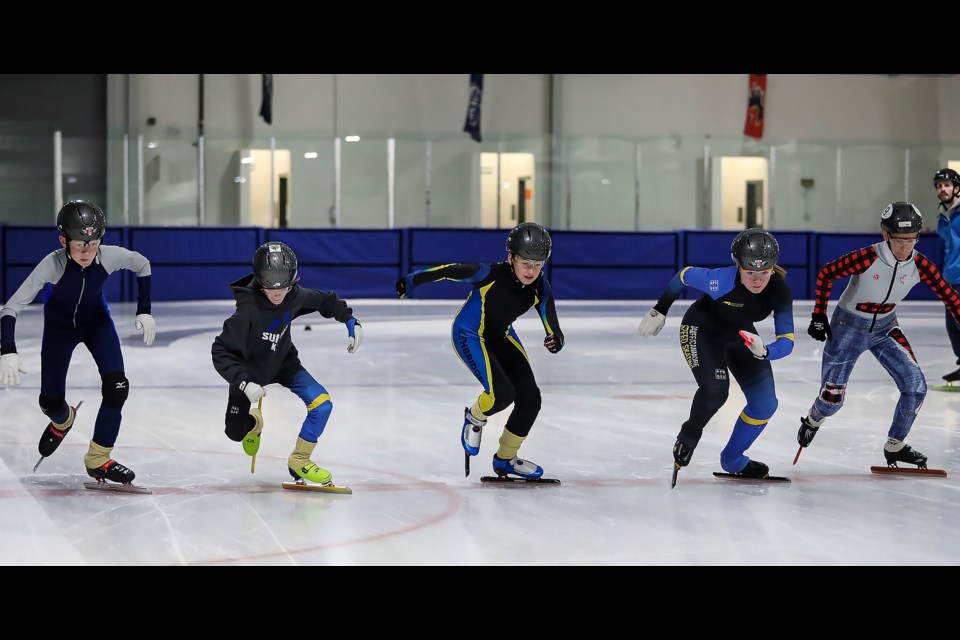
(897, 451)
(54, 434)
(517, 467)
(102, 467)
(113, 471)
(251, 442)
(807, 431)
(682, 453)
(311, 472)
(300, 466)
(471, 433)
(754, 469)
(953, 377)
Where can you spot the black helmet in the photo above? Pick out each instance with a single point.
(901, 217)
(946, 174)
(755, 250)
(529, 240)
(81, 220)
(275, 266)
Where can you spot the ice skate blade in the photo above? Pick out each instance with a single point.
(909, 471)
(945, 387)
(116, 487)
(303, 485)
(508, 480)
(734, 476)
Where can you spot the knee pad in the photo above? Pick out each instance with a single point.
(51, 404)
(237, 426)
(238, 422)
(115, 389)
(833, 393)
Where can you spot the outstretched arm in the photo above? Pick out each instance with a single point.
(653, 322)
(846, 265)
(456, 272)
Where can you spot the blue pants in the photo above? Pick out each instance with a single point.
(101, 339)
(851, 337)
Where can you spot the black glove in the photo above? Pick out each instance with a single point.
(806, 432)
(553, 342)
(402, 288)
(819, 328)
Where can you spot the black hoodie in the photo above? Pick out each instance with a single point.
(255, 343)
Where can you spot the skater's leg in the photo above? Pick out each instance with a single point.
(756, 381)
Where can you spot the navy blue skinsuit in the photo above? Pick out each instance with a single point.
(75, 312)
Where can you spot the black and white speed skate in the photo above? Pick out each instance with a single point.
(906, 454)
(52, 436)
(113, 476)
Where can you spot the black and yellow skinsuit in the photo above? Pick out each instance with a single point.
(485, 340)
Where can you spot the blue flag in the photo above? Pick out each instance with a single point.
(472, 125)
(266, 106)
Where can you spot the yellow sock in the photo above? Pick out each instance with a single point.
(509, 445)
(301, 453)
(71, 414)
(257, 421)
(478, 410)
(97, 456)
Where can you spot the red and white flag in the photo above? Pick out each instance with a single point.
(756, 99)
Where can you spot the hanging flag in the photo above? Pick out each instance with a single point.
(472, 125)
(756, 100)
(266, 106)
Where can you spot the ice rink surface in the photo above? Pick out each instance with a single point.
(613, 403)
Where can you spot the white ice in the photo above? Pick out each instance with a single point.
(613, 403)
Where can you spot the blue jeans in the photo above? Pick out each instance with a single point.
(891, 349)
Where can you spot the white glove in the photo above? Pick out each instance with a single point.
(10, 369)
(755, 344)
(356, 335)
(148, 325)
(253, 390)
(652, 323)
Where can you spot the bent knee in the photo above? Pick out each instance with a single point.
(833, 394)
(321, 405)
(51, 404)
(714, 399)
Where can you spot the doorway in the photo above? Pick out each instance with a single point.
(506, 189)
(256, 208)
(753, 216)
(739, 198)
